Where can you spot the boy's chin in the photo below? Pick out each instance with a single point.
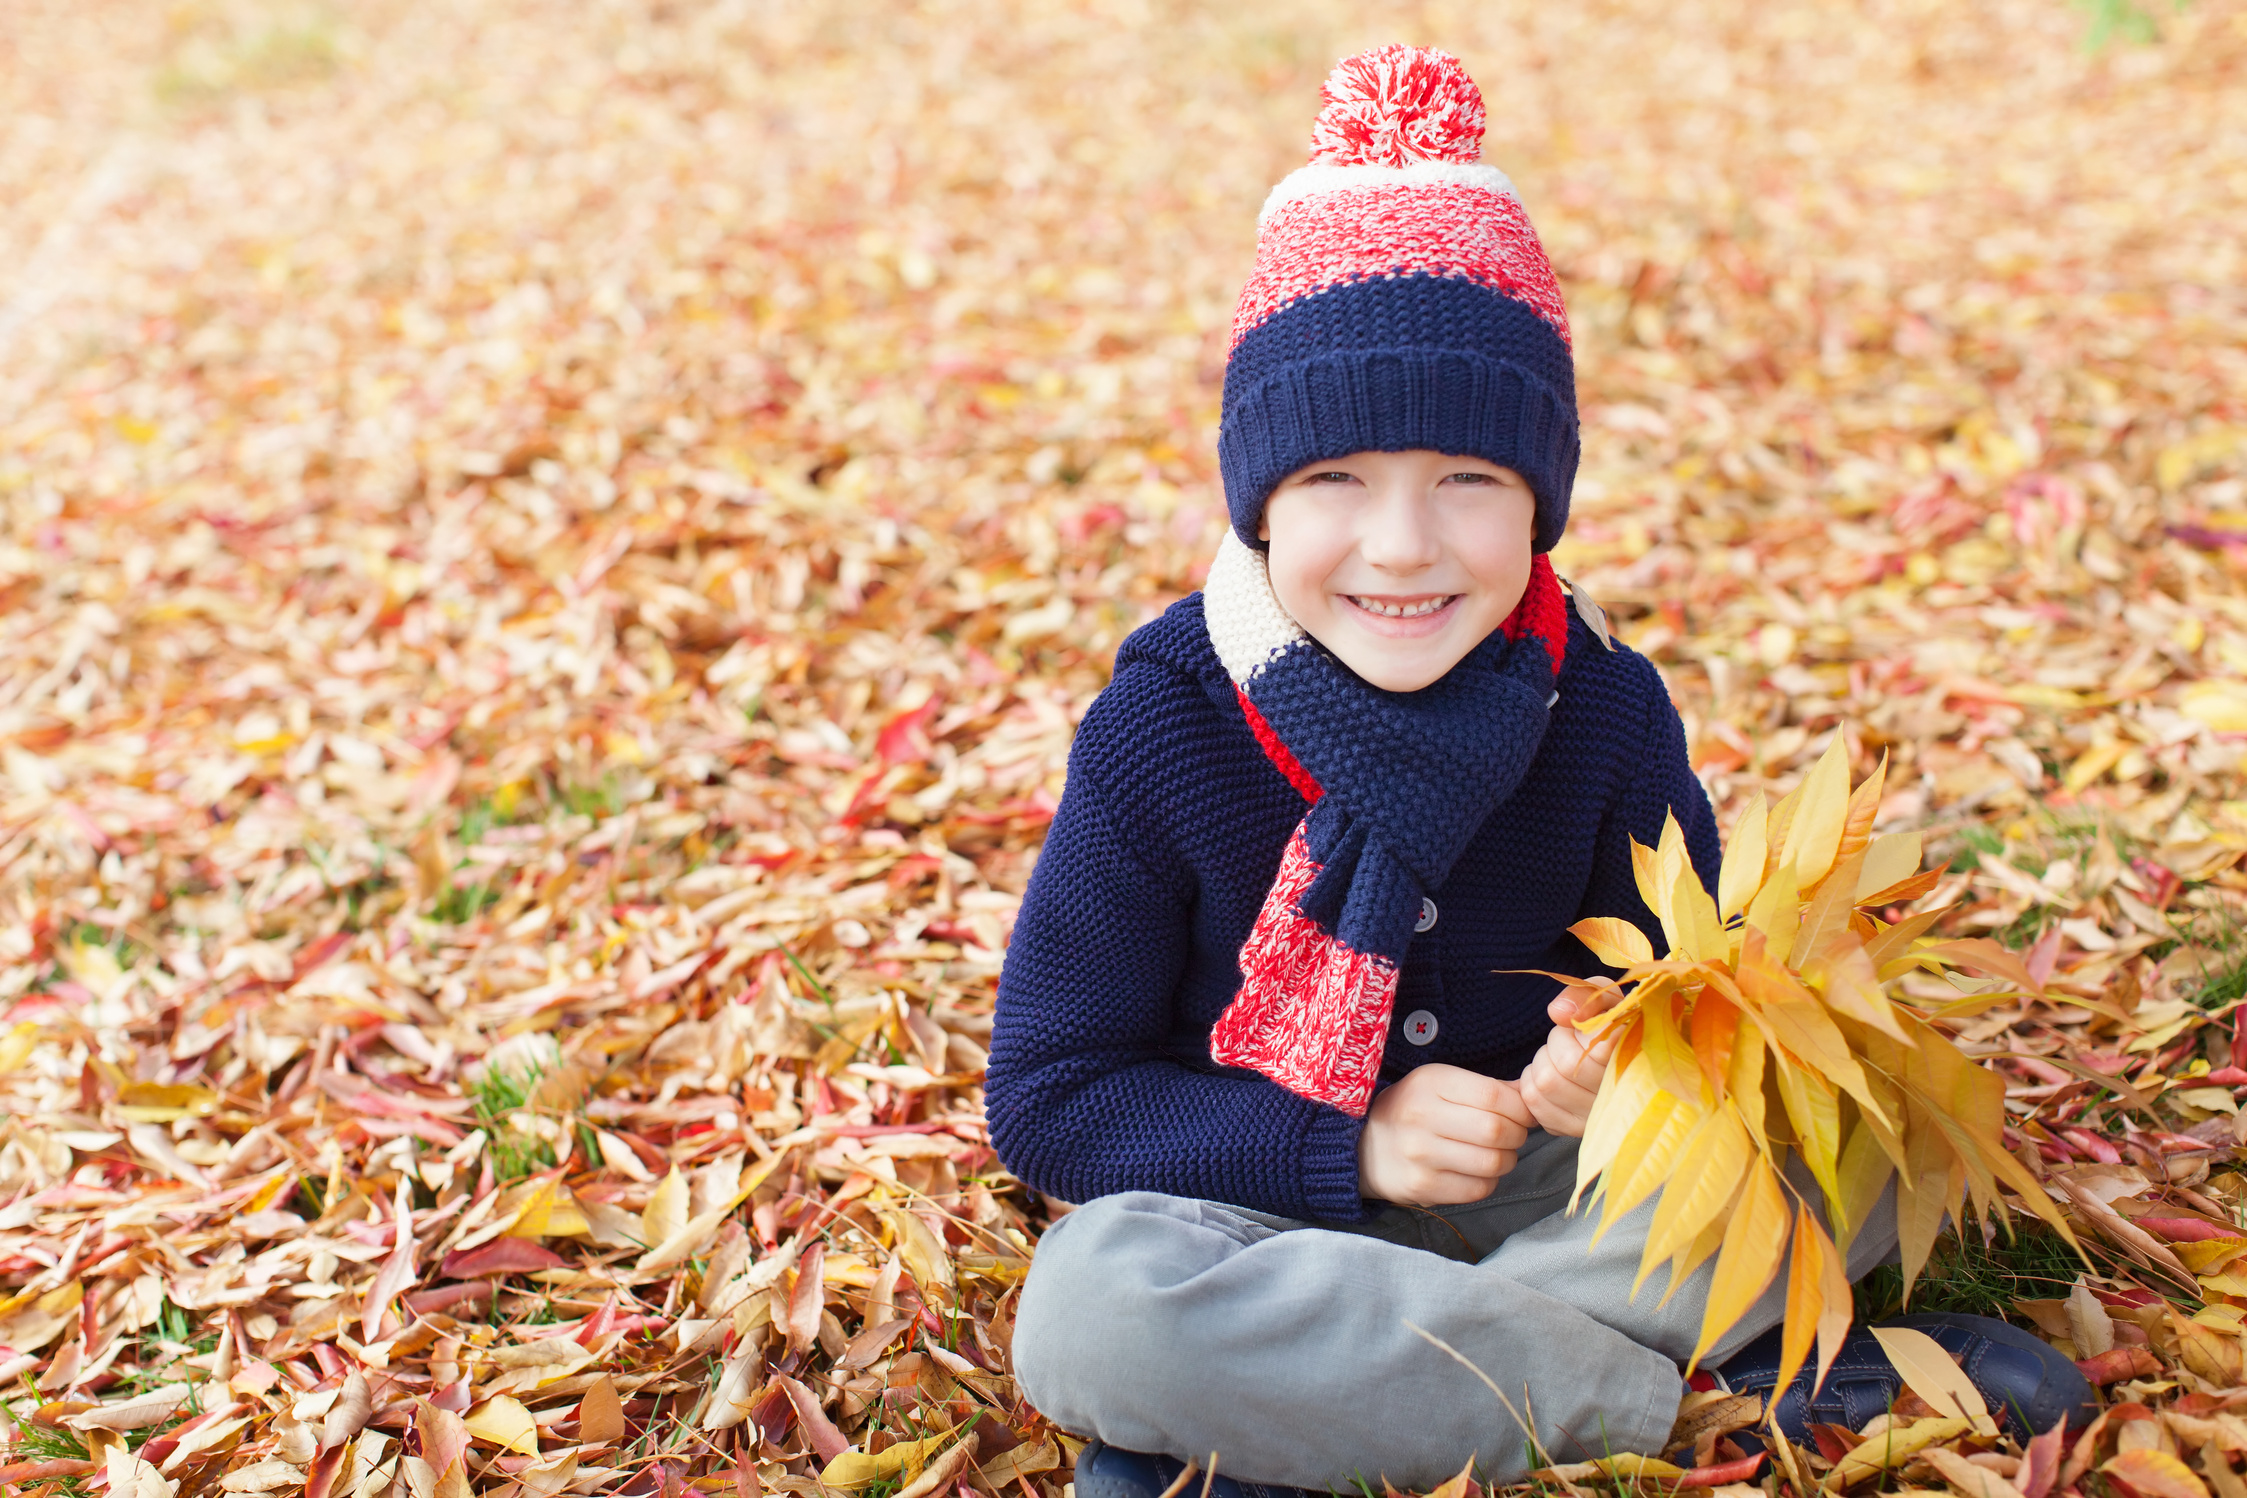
(1395, 669)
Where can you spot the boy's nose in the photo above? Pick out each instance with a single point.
(1398, 534)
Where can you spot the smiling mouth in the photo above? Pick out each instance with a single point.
(1416, 609)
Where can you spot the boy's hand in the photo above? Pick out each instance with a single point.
(1563, 1077)
(1441, 1136)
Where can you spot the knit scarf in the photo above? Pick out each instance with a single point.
(1398, 782)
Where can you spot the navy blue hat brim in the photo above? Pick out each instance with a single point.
(1392, 364)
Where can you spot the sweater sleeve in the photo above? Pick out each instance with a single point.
(1660, 782)
(1087, 1092)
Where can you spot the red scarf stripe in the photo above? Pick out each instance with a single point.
(1277, 752)
(1542, 612)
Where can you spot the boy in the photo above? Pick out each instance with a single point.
(1265, 1011)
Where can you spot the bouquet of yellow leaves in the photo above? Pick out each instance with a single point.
(1773, 1024)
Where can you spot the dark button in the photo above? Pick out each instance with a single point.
(1427, 921)
(1420, 1027)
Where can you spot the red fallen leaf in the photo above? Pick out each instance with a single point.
(904, 739)
(320, 951)
(500, 1256)
(1834, 1441)
(438, 1297)
(1719, 1474)
(2228, 1076)
(818, 1429)
(2097, 1147)
(2128, 1298)
(2176, 1142)
(2186, 1229)
(2117, 1364)
(2040, 1462)
(15, 1472)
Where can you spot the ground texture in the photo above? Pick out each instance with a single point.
(550, 554)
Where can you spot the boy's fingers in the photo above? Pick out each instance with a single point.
(1592, 998)
(1456, 1157)
(1468, 1089)
(1481, 1128)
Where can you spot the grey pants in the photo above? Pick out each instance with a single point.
(1163, 1324)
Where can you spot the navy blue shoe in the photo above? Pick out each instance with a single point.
(2027, 1384)
(1104, 1471)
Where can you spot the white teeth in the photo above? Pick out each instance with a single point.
(1401, 610)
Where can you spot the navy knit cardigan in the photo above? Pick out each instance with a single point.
(1166, 841)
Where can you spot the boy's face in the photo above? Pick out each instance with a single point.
(1400, 563)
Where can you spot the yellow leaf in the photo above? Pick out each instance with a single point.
(926, 1259)
(1642, 1161)
(666, 1212)
(1805, 1298)
(1646, 870)
(1845, 976)
(548, 1210)
(1776, 910)
(1696, 1253)
(1815, 836)
(1834, 1317)
(1671, 850)
(1978, 954)
(164, 1102)
(855, 1469)
(2213, 1355)
(1742, 873)
(1676, 1069)
(1826, 916)
(1613, 940)
(2221, 705)
(1714, 1026)
(1814, 1108)
(2017, 1179)
(1930, 1373)
(1791, 1017)
(1743, 1079)
(1630, 1465)
(1777, 830)
(1895, 943)
(1625, 1093)
(1863, 811)
(2156, 1474)
(1707, 1174)
(17, 1045)
(1702, 934)
(1892, 1448)
(1889, 860)
(1922, 1192)
(1859, 1180)
(1753, 1242)
(505, 1423)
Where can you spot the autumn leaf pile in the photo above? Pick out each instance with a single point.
(549, 556)
(1770, 1030)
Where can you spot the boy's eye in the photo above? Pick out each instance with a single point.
(1472, 478)
(1334, 477)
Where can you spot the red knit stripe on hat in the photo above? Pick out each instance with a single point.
(1448, 230)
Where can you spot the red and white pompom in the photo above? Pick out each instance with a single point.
(1397, 105)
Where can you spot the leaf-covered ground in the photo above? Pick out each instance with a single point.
(550, 553)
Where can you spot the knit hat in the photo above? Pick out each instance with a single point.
(1400, 300)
